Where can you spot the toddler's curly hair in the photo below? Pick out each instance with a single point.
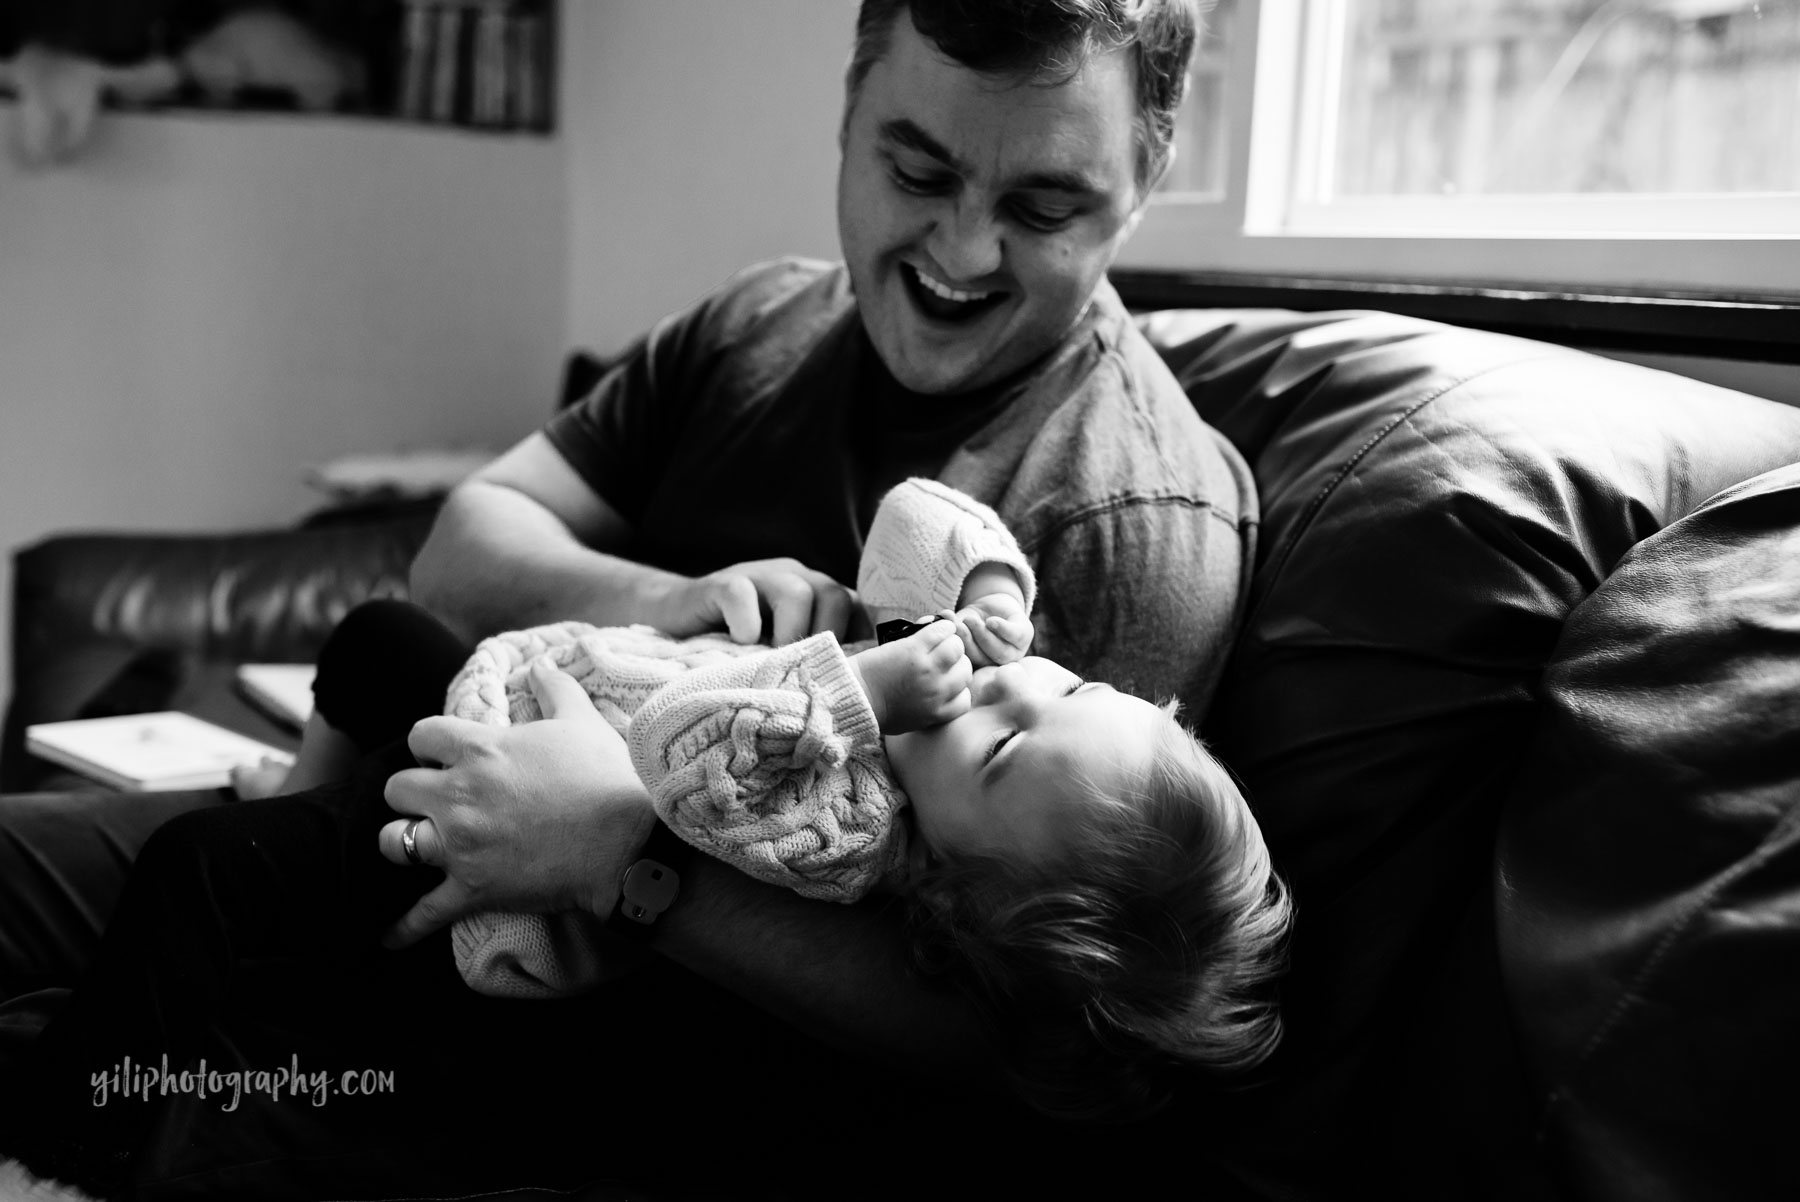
(1144, 957)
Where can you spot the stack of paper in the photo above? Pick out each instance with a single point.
(149, 752)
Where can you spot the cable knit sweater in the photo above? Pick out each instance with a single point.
(769, 759)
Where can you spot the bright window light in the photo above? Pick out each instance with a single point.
(1509, 97)
(1647, 144)
(1202, 131)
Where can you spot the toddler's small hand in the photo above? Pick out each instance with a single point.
(995, 629)
(917, 681)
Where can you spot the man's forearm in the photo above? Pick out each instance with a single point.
(839, 973)
(497, 560)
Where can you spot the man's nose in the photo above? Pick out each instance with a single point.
(966, 244)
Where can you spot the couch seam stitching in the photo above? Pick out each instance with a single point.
(1632, 993)
(1278, 564)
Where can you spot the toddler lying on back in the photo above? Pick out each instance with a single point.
(1071, 856)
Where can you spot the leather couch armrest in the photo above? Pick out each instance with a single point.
(86, 605)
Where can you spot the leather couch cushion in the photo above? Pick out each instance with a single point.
(1435, 501)
(1650, 862)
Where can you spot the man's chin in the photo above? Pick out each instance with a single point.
(935, 366)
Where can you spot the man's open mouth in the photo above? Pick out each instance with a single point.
(941, 302)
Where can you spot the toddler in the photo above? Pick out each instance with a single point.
(1075, 860)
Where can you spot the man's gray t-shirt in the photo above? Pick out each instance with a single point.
(761, 423)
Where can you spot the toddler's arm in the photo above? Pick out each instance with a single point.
(773, 763)
(917, 681)
(935, 550)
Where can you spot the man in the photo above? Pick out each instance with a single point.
(995, 158)
(737, 455)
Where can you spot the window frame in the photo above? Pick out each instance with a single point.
(1264, 226)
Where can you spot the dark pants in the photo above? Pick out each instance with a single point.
(247, 936)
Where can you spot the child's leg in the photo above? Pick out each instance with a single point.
(385, 666)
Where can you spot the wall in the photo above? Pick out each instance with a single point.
(201, 305)
(702, 137)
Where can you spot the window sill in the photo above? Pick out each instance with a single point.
(1752, 327)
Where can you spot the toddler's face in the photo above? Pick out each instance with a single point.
(1009, 776)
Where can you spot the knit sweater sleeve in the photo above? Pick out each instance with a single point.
(774, 764)
(926, 539)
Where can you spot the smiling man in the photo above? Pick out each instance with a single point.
(996, 155)
(977, 219)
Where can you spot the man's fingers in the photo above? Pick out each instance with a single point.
(433, 912)
(740, 609)
(414, 791)
(427, 841)
(558, 694)
(790, 601)
(833, 609)
(442, 741)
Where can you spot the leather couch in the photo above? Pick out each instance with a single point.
(1517, 701)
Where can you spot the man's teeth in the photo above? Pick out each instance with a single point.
(947, 292)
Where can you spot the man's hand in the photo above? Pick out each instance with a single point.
(991, 617)
(534, 818)
(917, 681)
(799, 600)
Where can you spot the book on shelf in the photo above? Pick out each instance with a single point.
(148, 753)
(482, 63)
(283, 691)
(415, 63)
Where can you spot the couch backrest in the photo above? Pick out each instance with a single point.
(1434, 502)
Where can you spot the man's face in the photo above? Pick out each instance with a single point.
(977, 215)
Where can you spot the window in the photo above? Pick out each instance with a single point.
(1616, 143)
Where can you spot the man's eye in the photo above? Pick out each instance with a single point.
(918, 185)
(1043, 220)
(996, 743)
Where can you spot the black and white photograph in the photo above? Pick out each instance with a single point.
(817, 600)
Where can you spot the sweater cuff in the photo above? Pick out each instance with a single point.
(926, 539)
(832, 682)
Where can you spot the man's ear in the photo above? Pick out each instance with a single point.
(1131, 223)
(1162, 173)
(1143, 197)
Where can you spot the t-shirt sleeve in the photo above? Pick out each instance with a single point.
(774, 764)
(621, 437)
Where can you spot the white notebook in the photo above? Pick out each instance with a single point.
(284, 691)
(149, 752)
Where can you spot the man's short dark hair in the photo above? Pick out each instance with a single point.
(1048, 41)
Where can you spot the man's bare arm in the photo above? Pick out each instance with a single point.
(524, 542)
